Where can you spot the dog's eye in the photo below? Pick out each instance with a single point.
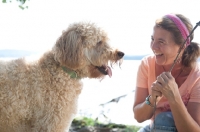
(99, 43)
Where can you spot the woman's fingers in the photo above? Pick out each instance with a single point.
(156, 93)
(155, 90)
(164, 77)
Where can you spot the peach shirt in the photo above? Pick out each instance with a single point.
(189, 90)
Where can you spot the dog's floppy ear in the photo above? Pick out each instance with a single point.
(68, 50)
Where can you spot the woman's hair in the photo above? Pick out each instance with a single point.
(192, 51)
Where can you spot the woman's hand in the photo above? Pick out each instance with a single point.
(167, 86)
(156, 94)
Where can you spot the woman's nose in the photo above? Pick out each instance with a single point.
(154, 45)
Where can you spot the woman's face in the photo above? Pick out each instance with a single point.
(163, 46)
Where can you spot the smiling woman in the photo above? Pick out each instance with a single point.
(162, 94)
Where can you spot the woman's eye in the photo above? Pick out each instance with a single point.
(152, 39)
(161, 42)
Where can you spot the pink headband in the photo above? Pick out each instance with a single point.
(181, 26)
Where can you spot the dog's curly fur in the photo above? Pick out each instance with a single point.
(41, 96)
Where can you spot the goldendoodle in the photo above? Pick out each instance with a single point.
(41, 96)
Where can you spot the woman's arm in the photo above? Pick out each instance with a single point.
(186, 119)
(141, 110)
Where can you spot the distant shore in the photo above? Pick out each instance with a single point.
(12, 53)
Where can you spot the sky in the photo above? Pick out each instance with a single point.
(128, 23)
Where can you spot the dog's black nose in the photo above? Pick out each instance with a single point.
(120, 54)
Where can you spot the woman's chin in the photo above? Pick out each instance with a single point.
(160, 60)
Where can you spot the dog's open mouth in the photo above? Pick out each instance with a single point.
(106, 70)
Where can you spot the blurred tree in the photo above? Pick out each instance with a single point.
(21, 3)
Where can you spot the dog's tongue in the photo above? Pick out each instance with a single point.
(109, 71)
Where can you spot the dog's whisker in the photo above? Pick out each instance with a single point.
(111, 64)
(120, 62)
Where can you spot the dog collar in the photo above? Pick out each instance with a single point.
(72, 73)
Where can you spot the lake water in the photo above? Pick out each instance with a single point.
(94, 98)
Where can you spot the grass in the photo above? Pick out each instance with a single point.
(84, 122)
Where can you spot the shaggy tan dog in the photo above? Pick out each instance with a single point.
(42, 96)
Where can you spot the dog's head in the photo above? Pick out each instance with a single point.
(84, 47)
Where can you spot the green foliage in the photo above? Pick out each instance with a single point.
(83, 122)
(22, 7)
(21, 3)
